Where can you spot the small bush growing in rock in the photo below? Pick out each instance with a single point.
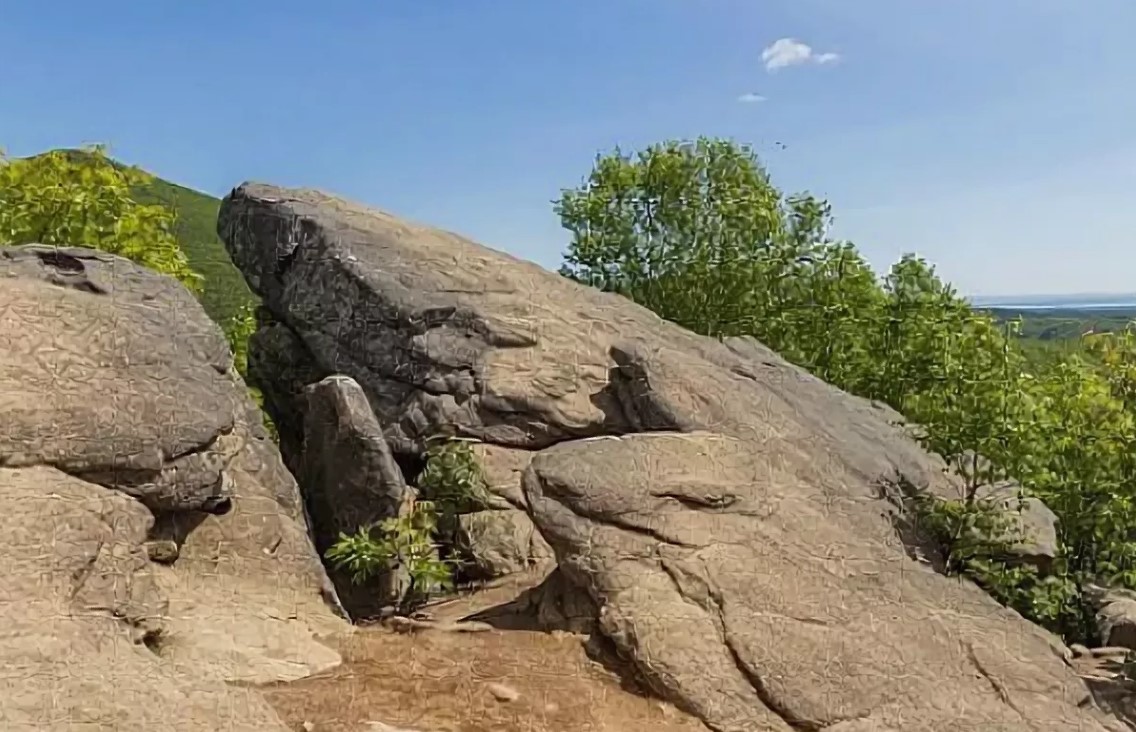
(238, 329)
(451, 483)
(403, 541)
(453, 478)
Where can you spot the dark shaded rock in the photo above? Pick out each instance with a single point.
(350, 480)
(429, 363)
(554, 605)
(1115, 616)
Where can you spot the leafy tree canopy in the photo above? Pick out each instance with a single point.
(66, 199)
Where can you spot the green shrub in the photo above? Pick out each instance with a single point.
(406, 542)
(451, 483)
(453, 478)
(238, 329)
(976, 538)
(86, 200)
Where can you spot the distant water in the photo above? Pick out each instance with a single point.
(1130, 305)
(1058, 302)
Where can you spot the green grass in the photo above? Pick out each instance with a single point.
(196, 230)
(225, 291)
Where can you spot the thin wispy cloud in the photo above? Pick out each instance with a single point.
(786, 52)
(751, 98)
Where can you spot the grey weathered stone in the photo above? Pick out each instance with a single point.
(720, 508)
(1032, 523)
(125, 429)
(350, 480)
(500, 542)
(1116, 617)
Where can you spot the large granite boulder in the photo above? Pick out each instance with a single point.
(126, 435)
(734, 523)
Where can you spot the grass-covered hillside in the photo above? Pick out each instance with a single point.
(225, 291)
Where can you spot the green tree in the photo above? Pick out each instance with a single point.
(64, 199)
(698, 233)
(829, 308)
(694, 231)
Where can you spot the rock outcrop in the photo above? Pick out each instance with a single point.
(502, 539)
(127, 438)
(733, 521)
(354, 481)
(1115, 615)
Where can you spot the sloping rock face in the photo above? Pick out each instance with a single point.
(734, 521)
(125, 430)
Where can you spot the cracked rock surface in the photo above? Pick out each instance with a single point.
(125, 430)
(722, 513)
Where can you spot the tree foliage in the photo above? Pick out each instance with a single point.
(87, 200)
(697, 232)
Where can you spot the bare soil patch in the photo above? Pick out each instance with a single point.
(445, 681)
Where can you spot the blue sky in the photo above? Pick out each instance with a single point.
(994, 137)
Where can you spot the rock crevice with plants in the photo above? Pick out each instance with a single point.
(721, 513)
(774, 488)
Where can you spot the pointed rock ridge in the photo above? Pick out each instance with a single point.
(127, 436)
(725, 514)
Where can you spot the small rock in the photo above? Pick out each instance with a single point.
(503, 693)
(163, 551)
(400, 624)
(470, 626)
(308, 727)
(383, 727)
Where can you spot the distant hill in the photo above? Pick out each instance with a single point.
(1049, 332)
(225, 290)
(1065, 323)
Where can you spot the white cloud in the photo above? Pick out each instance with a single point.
(787, 52)
(751, 98)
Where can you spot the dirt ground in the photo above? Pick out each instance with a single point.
(445, 681)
